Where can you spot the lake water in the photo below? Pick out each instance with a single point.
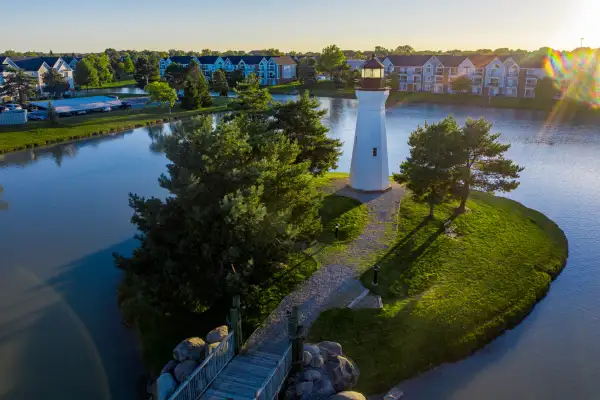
(60, 330)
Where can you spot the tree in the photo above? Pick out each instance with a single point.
(236, 211)
(161, 92)
(482, 163)
(86, 74)
(546, 89)
(331, 59)
(393, 80)
(145, 71)
(175, 75)
(300, 122)
(462, 84)
(234, 77)
(428, 172)
(404, 50)
(129, 68)
(381, 51)
(195, 91)
(52, 114)
(307, 71)
(251, 99)
(55, 83)
(101, 63)
(219, 82)
(3, 204)
(18, 84)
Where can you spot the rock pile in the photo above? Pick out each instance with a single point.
(187, 356)
(326, 372)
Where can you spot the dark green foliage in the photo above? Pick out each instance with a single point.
(195, 92)
(145, 72)
(219, 82)
(18, 84)
(300, 121)
(428, 171)
(52, 114)
(234, 77)
(546, 89)
(239, 206)
(175, 75)
(55, 83)
(393, 80)
(252, 98)
(483, 166)
(307, 71)
(331, 59)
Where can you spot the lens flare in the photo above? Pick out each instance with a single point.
(575, 74)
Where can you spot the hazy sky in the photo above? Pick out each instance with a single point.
(85, 25)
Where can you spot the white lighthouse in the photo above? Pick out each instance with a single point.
(369, 170)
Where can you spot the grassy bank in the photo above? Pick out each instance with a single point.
(448, 293)
(119, 95)
(40, 133)
(115, 84)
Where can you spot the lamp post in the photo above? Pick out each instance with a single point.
(375, 274)
(337, 231)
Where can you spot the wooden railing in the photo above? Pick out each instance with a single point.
(193, 387)
(274, 383)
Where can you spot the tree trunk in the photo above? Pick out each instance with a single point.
(431, 207)
(463, 199)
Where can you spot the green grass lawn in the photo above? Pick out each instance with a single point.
(445, 296)
(115, 84)
(40, 133)
(119, 95)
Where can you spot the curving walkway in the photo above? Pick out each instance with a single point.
(337, 283)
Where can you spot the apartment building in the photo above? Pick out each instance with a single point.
(37, 67)
(491, 75)
(270, 70)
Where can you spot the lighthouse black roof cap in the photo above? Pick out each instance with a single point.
(373, 63)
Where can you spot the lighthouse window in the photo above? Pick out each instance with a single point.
(374, 151)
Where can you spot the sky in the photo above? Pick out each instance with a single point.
(301, 25)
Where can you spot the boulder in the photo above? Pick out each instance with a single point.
(184, 370)
(323, 388)
(304, 389)
(313, 349)
(190, 349)
(306, 358)
(211, 348)
(166, 386)
(394, 394)
(348, 396)
(169, 367)
(317, 362)
(217, 334)
(312, 375)
(330, 349)
(343, 373)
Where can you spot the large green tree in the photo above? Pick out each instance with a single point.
(429, 170)
(546, 89)
(54, 83)
(85, 74)
(307, 71)
(128, 66)
(331, 59)
(300, 122)
(162, 93)
(18, 84)
(145, 71)
(219, 83)
(251, 97)
(482, 164)
(175, 75)
(195, 89)
(238, 206)
(461, 84)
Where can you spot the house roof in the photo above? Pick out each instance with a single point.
(235, 60)
(30, 64)
(482, 60)
(284, 60)
(69, 59)
(251, 60)
(451, 61)
(50, 60)
(355, 64)
(3, 59)
(409, 61)
(373, 63)
(206, 59)
(181, 59)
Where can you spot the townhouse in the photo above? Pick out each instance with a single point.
(490, 75)
(270, 70)
(37, 67)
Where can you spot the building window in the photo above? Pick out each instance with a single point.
(428, 69)
(374, 151)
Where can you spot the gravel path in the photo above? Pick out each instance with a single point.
(336, 284)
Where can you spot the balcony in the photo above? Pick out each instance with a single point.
(511, 84)
(494, 83)
(477, 82)
(513, 73)
(531, 82)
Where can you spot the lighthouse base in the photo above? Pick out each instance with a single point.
(369, 191)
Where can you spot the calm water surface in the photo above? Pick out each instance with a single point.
(60, 331)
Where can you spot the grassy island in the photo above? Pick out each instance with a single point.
(447, 291)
